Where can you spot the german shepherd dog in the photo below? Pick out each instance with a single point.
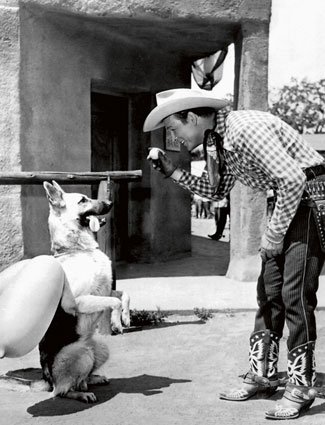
(71, 349)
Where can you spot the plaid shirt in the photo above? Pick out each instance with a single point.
(262, 152)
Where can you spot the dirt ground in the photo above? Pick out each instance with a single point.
(170, 374)
(166, 375)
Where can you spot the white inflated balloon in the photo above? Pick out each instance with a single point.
(30, 292)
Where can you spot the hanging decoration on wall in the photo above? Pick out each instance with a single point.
(207, 72)
(171, 142)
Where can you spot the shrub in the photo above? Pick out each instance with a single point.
(203, 314)
(147, 318)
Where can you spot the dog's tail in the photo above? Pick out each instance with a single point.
(40, 385)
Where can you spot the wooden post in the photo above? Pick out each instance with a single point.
(86, 177)
(105, 237)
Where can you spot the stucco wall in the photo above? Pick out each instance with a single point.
(60, 57)
(10, 210)
(233, 10)
(138, 47)
(160, 221)
(248, 206)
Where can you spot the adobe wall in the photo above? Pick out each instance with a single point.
(248, 206)
(11, 247)
(233, 10)
(48, 60)
(60, 57)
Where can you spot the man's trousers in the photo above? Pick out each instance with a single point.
(287, 285)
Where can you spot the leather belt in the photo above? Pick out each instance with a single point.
(313, 172)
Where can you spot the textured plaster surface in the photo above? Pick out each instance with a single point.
(61, 58)
(133, 47)
(190, 28)
(10, 208)
(248, 207)
(226, 9)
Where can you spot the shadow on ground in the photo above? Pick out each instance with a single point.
(147, 385)
(208, 258)
(139, 327)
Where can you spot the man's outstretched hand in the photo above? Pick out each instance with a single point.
(161, 162)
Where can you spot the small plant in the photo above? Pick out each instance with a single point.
(147, 318)
(203, 314)
(229, 312)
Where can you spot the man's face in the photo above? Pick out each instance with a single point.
(190, 134)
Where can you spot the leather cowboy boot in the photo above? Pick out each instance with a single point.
(263, 372)
(299, 393)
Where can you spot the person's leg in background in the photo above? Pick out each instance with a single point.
(205, 208)
(198, 207)
(220, 223)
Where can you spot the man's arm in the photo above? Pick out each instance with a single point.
(201, 185)
(198, 185)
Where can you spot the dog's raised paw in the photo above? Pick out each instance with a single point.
(117, 330)
(126, 318)
(116, 326)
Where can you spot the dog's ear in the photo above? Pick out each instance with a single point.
(57, 186)
(54, 194)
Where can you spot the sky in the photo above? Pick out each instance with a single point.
(296, 45)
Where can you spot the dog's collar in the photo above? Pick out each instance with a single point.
(61, 254)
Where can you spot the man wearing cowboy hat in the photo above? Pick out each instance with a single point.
(262, 152)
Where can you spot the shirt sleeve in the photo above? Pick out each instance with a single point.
(202, 187)
(262, 147)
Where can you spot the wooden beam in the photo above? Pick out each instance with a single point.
(38, 177)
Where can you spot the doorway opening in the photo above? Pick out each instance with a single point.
(206, 218)
(109, 152)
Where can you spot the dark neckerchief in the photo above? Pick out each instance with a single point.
(213, 155)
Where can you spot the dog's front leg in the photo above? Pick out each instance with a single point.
(94, 303)
(89, 304)
(125, 300)
(68, 303)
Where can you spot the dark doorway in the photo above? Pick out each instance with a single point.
(109, 152)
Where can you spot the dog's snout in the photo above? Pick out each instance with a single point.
(106, 205)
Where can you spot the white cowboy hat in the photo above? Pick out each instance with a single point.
(176, 100)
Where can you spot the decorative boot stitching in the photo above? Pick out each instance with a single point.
(301, 365)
